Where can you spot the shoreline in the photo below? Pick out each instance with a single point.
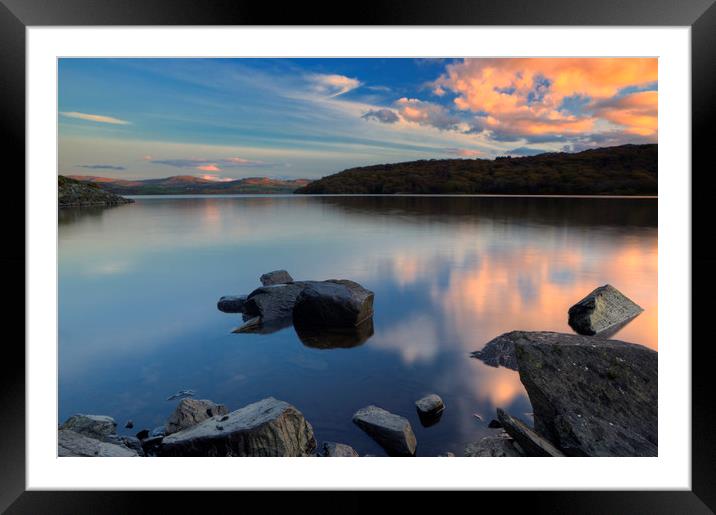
(428, 195)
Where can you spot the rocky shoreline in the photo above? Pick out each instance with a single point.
(591, 396)
(73, 193)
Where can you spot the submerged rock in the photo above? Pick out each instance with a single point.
(71, 443)
(269, 427)
(333, 303)
(591, 396)
(493, 447)
(143, 434)
(532, 443)
(499, 351)
(93, 426)
(190, 412)
(276, 277)
(602, 309)
(392, 432)
(232, 303)
(338, 450)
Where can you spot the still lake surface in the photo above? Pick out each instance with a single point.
(138, 286)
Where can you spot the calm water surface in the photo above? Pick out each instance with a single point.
(138, 286)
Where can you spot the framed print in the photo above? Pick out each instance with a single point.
(433, 239)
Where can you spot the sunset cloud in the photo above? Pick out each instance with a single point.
(464, 152)
(102, 167)
(215, 178)
(426, 113)
(555, 96)
(94, 118)
(381, 115)
(208, 168)
(211, 165)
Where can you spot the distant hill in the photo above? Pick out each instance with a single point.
(190, 185)
(622, 170)
(72, 193)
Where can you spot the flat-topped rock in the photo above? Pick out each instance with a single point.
(93, 426)
(73, 444)
(269, 427)
(532, 443)
(232, 303)
(190, 412)
(276, 277)
(602, 309)
(338, 450)
(591, 396)
(430, 405)
(391, 431)
(499, 351)
(333, 303)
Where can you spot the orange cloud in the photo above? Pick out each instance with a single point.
(208, 168)
(525, 96)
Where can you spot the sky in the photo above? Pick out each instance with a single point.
(226, 119)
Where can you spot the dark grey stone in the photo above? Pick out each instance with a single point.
(499, 351)
(532, 443)
(338, 450)
(392, 432)
(93, 426)
(333, 303)
(190, 412)
(232, 303)
(276, 277)
(591, 396)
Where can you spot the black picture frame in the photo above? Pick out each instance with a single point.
(700, 15)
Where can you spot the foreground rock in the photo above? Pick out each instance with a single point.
(532, 443)
(591, 396)
(392, 432)
(273, 303)
(333, 303)
(601, 310)
(499, 351)
(276, 277)
(501, 446)
(338, 450)
(71, 443)
(190, 412)
(269, 427)
(232, 303)
(93, 426)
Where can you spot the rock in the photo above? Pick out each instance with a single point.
(151, 445)
(71, 443)
(338, 450)
(392, 432)
(232, 303)
(446, 455)
(431, 404)
(492, 447)
(74, 193)
(127, 441)
(181, 394)
(158, 431)
(276, 277)
(333, 303)
(494, 424)
(190, 412)
(499, 351)
(532, 443)
(252, 325)
(129, 424)
(273, 303)
(602, 309)
(269, 427)
(143, 434)
(591, 396)
(93, 426)
(342, 338)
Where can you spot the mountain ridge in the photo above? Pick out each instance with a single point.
(619, 170)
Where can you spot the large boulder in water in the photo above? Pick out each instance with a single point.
(499, 351)
(190, 412)
(393, 432)
(93, 426)
(591, 396)
(276, 277)
(269, 427)
(71, 443)
(333, 303)
(604, 308)
(273, 303)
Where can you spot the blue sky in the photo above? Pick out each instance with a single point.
(233, 118)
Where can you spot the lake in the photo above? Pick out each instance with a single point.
(138, 286)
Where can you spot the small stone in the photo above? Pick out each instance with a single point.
(190, 412)
(602, 309)
(129, 424)
(338, 450)
(232, 303)
(143, 434)
(430, 404)
(391, 431)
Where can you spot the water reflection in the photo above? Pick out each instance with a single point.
(139, 284)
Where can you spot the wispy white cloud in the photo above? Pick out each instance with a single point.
(333, 85)
(94, 118)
